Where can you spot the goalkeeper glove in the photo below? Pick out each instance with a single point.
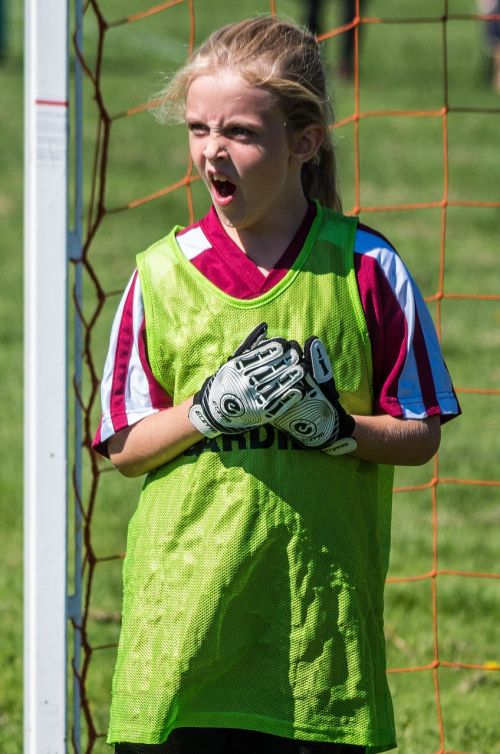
(253, 387)
(318, 420)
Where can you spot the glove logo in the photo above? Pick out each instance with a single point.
(303, 428)
(231, 406)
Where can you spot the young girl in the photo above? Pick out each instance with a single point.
(268, 366)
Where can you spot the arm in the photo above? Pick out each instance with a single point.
(395, 441)
(153, 441)
(161, 437)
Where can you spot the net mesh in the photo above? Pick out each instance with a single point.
(139, 180)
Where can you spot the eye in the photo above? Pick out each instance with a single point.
(198, 129)
(240, 132)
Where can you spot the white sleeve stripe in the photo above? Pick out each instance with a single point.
(399, 280)
(129, 401)
(107, 428)
(137, 395)
(410, 394)
(400, 283)
(440, 375)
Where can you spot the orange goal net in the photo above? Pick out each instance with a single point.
(417, 123)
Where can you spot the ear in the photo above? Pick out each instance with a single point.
(305, 143)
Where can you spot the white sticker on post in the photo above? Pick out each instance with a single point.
(51, 131)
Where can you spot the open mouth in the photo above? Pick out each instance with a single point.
(224, 189)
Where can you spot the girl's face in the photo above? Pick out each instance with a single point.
(242, 150)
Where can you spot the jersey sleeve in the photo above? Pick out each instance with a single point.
(410, 377)
(129, 390)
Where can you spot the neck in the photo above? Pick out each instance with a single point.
(266, 245)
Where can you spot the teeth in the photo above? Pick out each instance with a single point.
(222, 185)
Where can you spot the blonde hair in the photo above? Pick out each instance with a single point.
(283, 58)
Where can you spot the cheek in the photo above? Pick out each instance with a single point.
(263, 161)
(195, 150)
(274, 166)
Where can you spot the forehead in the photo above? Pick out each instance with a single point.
(225, 94)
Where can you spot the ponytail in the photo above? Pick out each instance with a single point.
(319, 177)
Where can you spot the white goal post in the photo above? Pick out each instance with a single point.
(46, 253)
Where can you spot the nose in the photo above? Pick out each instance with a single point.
(215, 147)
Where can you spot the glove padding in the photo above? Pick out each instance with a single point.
(255, 386)
(318, 420)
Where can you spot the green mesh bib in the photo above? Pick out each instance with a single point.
(254, 575)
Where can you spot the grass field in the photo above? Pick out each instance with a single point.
(401, 161)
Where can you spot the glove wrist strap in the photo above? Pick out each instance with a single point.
(201, 423)
(346, 443)
(341, 447)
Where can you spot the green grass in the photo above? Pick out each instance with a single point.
(11, 426)
(401, 160)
